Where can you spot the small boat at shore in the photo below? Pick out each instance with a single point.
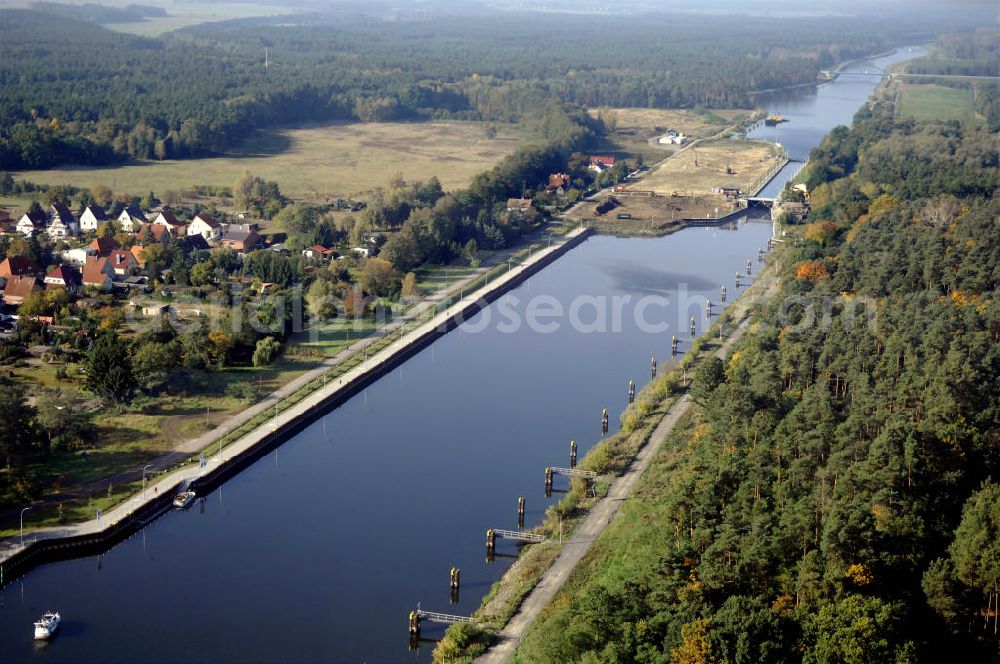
(183, 499)
(47, 625)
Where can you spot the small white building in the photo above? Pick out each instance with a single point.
(673, 139)
(78, 256)
(131, 219)
(92, 218)
(31, 223)
(206, 226)
(364, 252)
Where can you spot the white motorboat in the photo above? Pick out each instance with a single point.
(47, 625)
(183, 499)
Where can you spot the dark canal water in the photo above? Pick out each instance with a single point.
(319, 551)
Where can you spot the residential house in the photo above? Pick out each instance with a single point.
(240, 237)
(601, 163)
(520, 206)
(136, 251)
(103, 246)
(166, 218)
(318, 252)
(61, 222)
(95, 273)
(19, 266)
(31, 223)
(77, 256)
(131, 219)
(159, 232)
(65, 276)
(193, 243)
(206, 226)
(557, 183)
(19, 288)
(92, 218)
(363, 252)
(122, 263)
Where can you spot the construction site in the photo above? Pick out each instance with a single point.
(704, 181)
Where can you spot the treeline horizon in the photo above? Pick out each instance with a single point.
(72, 91)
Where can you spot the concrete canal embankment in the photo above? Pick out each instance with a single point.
(99, 534)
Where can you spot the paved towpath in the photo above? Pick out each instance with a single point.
(600, 515)
(172, 481)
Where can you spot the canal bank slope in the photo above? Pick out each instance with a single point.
(601, 515)
(411, 334)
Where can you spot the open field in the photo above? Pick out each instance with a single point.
(635, 130)
(183, 15)
(329, 160)
(924, 102)
(180, 13)
(696, 170)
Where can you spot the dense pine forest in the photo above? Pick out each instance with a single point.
(834, 496)
(73, 91)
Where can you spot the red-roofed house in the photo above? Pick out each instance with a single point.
(19, 288)
(317, 252)
(206, 226)
(19, 266)
(160, 233)
(601, 163)
(122, 262)
(95, 273)
(557, 181)
(104, 245)
(65, 276)
(166, 218)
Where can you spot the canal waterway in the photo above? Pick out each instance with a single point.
(813, 111)
(320, 549)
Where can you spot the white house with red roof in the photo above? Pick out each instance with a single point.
(167, 218)
(206, 226)
(318, 252)
(122, 262)
(65, 276)
(600, 163)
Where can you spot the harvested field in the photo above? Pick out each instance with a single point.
(329, 160)
(690, 123)
(636, 130)
(699, 169)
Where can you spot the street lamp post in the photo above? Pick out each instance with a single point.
(144, 480)
(22, 524)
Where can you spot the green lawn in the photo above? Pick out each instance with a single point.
(924, 102)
